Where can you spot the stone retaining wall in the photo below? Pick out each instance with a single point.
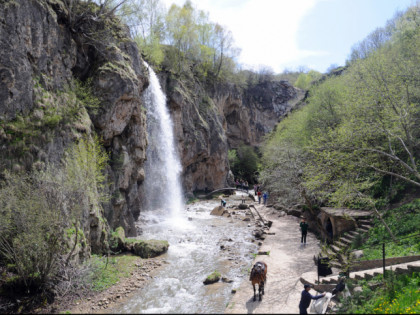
(377, 263)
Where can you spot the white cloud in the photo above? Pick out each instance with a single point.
(265, 30)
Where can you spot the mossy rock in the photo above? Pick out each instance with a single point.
(212, 278)
(149, 248)
(117, 241)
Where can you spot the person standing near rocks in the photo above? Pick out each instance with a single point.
(265, 196)
(304, 230)
(259, 196)
(306, 298)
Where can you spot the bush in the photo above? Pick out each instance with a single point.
(39, 209)
(400, 294)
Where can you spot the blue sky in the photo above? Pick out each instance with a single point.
(287, 34)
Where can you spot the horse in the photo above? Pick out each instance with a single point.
(258, 276)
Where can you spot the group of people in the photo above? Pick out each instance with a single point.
(260, 194)
(242, 184)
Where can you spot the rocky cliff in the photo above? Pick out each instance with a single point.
(211, 121)
(54, 61)
(46, 52)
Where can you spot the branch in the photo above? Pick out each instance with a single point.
(395, 158)
(395, 174)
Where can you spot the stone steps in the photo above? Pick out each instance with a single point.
(370, 273)
(366, 222)
(347, 240)
(335, 248)
(363, 228)
(334, 251)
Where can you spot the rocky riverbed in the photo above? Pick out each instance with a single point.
(231, 235)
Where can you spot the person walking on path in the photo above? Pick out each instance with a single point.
(304, 230)
(306, 298)
(259, 196)
(265, 196)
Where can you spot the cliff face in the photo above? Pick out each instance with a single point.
(253, 112)
(199, 133)
(209, 122)
(44, 49)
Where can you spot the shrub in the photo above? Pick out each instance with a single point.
(38, 210)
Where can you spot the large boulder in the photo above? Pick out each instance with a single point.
(117, 240)
(212, 278)
(218, 211)
(149, 248)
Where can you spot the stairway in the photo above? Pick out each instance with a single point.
(339, 247)
(405, 268)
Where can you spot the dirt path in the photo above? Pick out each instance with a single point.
(287, 261)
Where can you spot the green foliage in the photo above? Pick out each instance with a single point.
(358, 131)
(84, 94)
(245, 164)
(400, 294)
(403, 222)
(107, 271)
(41, 209)
(306, 80)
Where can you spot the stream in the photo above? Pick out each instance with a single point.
(199, 243)
(195, 239)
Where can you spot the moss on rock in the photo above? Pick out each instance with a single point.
(212, 278)
(148, 248)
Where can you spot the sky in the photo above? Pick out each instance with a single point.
(289, 34)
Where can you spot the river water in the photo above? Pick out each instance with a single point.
(195, 239)
(199, 243)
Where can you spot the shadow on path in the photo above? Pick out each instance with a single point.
(251, 305)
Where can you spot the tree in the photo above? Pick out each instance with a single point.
(244, 162)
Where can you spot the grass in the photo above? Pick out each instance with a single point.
(400, 294)
(403, 222)
(106, 275)
(397, 294)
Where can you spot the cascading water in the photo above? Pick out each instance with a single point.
(162, 186)
(195, 237)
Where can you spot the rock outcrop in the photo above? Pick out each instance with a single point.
(210, 121)
(251, 113)
(45, 50)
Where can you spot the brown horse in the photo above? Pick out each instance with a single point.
(258, 276)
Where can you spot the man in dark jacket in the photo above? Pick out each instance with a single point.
(306, 298)
(304, 230)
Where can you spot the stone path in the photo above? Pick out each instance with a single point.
(414, 265)
(287, 261)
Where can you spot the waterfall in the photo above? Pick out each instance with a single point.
(162, 185)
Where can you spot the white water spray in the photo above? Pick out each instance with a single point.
(162, 184)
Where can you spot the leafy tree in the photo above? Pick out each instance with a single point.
(357, 129)
(244, 162)
(305, 80)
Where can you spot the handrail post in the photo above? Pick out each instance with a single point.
(383, 257)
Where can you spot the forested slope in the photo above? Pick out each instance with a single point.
(356, 142)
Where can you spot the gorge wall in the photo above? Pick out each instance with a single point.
(211, 121)
(47, 50)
